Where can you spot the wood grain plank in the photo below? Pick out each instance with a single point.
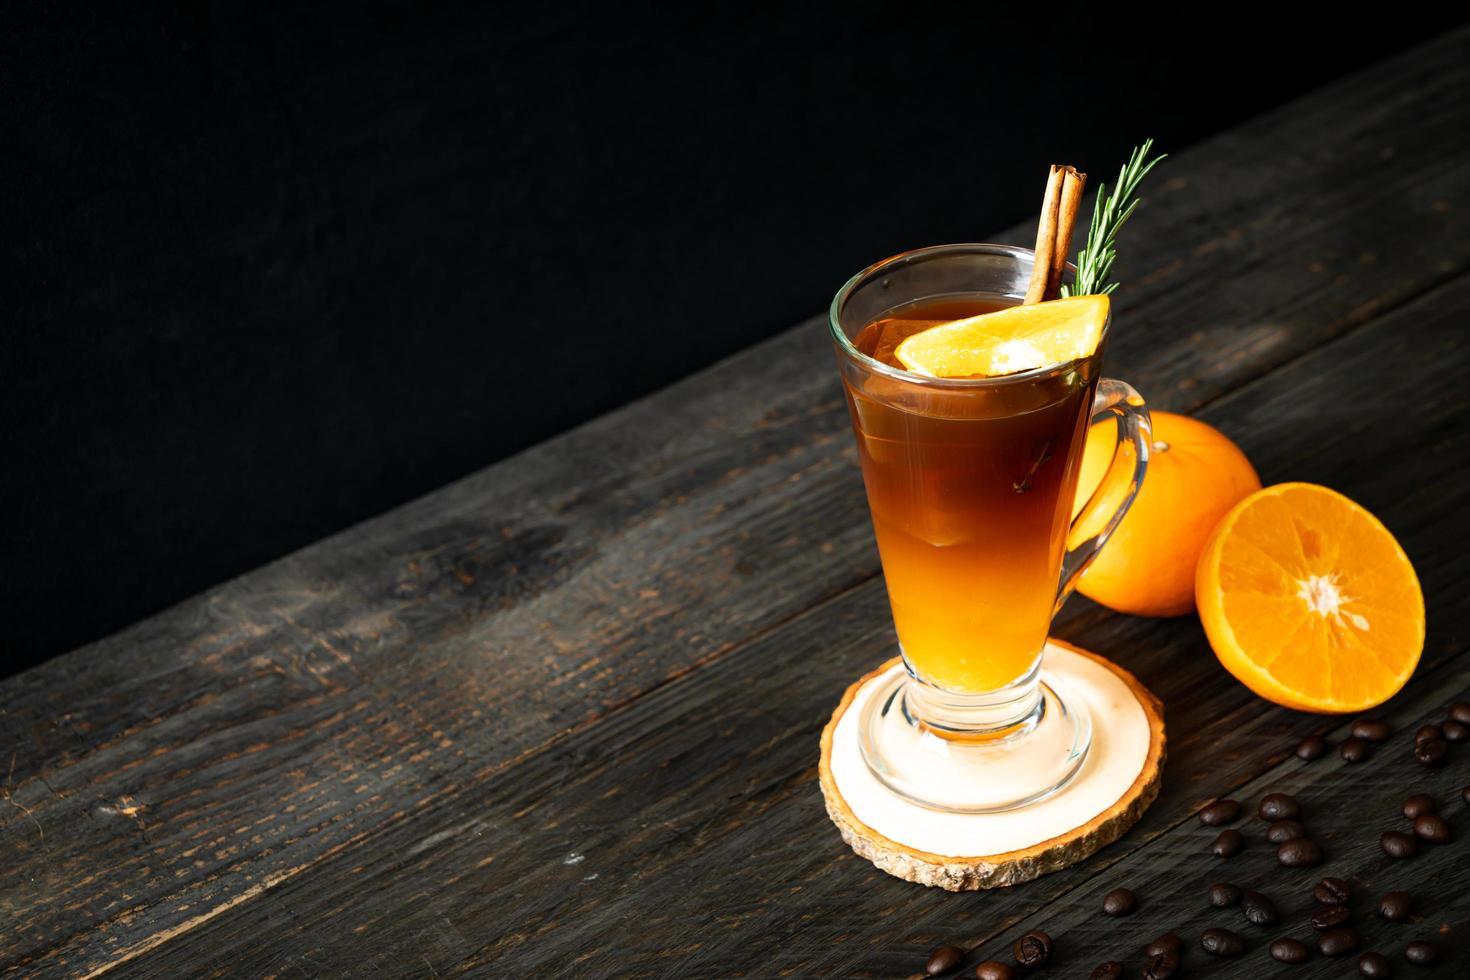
(1346, 807)
(217, 750)
(686, 836)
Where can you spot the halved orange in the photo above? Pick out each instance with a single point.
(1017, 338)
(1309, 601)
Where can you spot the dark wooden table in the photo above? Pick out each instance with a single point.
(561, 717)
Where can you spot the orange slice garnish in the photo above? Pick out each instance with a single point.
(1006, 341)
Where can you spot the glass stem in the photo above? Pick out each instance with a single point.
(1011, 710)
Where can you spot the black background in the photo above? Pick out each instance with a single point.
(277, 269)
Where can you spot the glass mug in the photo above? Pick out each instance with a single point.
(971, 485)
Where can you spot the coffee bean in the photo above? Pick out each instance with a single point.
(994, 970)
(1374, 965)
(1219, 812)
(1455, 731)
(1288, 950)
(1428, 733)
(1120, 901)
(1332, 891)
(1284, 830)
(1161, 967)
(1421, 952)
(1397, 845)
(1279, 806)
(1337, 942)
(944, 959)
(1223, 894)
(1417, 804)
(1330, 917)
(1396, 906)
(1432, 752)
(1033, 949)
(1111, 970)
(1372, 729)
(1460, 711)
(1353, 750)
(1312, 747)
(1222, 942)
(1259, 909)
(1168, 943)
(1432, 828)
(1228, 844)
(1299, 852)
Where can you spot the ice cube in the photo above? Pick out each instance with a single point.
(894, 331)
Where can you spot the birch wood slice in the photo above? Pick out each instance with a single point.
(967, 851)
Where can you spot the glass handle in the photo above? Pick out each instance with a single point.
(1114, 495)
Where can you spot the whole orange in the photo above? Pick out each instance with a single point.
(1195, 475)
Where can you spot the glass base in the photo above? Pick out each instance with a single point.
(976, 768)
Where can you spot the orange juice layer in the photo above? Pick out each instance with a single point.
(971, 492)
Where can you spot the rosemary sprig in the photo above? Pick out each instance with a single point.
(1109, 215)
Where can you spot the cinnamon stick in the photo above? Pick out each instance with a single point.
(1072, 186)
(1046, 237)
(1064, 187)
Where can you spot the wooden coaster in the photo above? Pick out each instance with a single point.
(967, 851)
